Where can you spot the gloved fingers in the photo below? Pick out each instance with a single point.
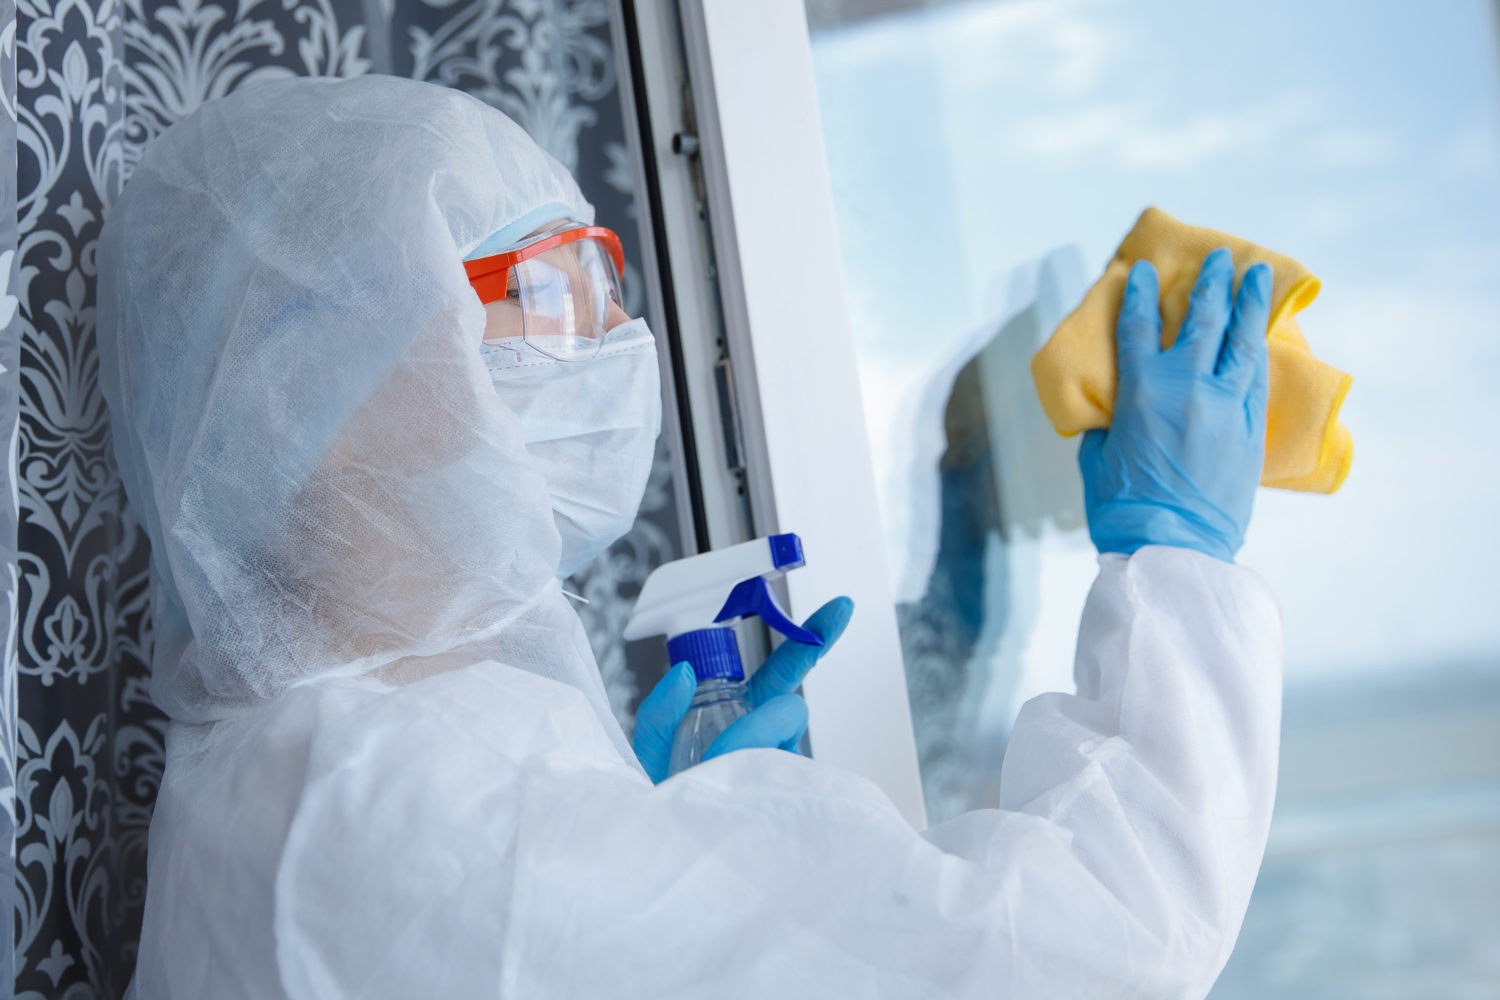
(1257, 400)
(1202, 334)
(1245, 354)
(779, 723)
(1138, 330)
(657, 718)
(788, 665)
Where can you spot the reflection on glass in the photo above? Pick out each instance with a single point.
(987, 156)
(983, 483)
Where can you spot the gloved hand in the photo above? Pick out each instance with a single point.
(777, 716)
(1182, 457)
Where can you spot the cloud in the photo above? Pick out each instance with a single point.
(1062, 48)
(1134, 135)
(1470, 151)
(1082, 54)
(1332, 216)
(1354, 147)
(1469, 266)
(1423, 344)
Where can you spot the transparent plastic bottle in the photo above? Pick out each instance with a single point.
(719, 701)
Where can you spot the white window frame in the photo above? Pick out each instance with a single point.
(771, 253)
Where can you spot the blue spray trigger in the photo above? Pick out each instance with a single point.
(753, 597)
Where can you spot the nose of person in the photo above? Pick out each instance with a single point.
(615, 316)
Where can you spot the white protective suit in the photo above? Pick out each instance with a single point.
(391, 769)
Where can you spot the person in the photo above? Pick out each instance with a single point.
(391, 769)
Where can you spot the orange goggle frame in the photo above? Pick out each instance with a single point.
(490, 276)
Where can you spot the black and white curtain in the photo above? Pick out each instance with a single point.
(87, 84)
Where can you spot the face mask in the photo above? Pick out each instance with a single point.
(591, 427)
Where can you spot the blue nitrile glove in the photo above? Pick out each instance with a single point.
(1181, 459)
(777, 716)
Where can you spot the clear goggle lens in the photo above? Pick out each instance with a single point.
(559, 300)
(565, 296)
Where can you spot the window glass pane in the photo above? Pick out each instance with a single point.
(986, 158)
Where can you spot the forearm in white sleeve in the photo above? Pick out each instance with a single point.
(1158, 775)
(524, 858)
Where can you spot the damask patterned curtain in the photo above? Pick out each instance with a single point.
(87, 85)
(10, 332)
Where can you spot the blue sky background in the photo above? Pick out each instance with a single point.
(967, 139)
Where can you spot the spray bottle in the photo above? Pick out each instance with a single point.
(695, 603)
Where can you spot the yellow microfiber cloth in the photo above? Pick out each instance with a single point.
(1306, 447)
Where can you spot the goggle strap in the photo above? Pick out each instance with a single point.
(489, 275)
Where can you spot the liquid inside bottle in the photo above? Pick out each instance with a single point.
(719, 701)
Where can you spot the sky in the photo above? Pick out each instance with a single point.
(971, 139)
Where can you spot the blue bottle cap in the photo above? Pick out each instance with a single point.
(712, 652)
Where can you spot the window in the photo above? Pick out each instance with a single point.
(986, 158)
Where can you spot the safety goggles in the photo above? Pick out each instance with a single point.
(554, 291)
